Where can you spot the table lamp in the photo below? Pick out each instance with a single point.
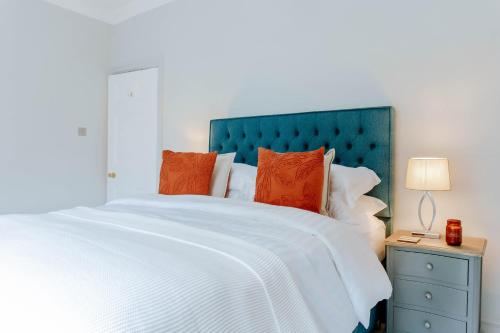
(427, 174)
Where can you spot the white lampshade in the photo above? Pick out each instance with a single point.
(428, 174)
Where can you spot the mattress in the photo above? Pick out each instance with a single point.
(185, 264)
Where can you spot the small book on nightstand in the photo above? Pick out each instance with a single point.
(409, 239)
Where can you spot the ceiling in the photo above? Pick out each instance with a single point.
(109, 11)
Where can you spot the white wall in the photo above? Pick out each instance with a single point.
(53, 66)
(436, 62)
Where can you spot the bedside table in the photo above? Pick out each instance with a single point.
(437, 288)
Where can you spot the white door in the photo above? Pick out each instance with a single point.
(133, 140)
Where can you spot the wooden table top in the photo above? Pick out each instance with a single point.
(471, 246)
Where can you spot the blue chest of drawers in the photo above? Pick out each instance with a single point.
(437, 288)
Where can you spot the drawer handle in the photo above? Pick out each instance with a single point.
(430, 266)
(428, 295)
(427, 325)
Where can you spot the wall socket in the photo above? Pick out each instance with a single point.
(82, 131)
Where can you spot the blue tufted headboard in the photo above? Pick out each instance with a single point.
(361, 137)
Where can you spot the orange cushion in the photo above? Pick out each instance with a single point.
(291, 179)
(186, 173)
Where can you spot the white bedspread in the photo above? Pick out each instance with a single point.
(185, 264)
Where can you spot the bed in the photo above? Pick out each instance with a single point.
(201, 264)
(361, 137)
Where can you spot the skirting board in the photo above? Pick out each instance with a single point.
(488, 326)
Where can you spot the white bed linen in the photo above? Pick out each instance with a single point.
(372, 230)
(185, 264)
(377, 237)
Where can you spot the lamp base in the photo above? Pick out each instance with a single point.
(426, 234)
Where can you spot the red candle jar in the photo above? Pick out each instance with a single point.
(454, 232)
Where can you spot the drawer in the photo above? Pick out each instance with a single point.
(410, 321)
(430, 296)
(432, 266)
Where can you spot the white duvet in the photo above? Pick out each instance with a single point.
(185, 264)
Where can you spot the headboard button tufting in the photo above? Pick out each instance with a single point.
(349, 146)
(337, 131)
(360, 131)
(372, 146)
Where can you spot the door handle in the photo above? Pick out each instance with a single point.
(112, 175)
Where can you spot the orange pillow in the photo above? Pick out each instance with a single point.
(291, 179)
(186, 173)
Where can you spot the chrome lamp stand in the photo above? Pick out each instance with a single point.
(426, 233)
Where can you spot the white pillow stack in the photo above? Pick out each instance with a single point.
(346, 197)
(348, 202)
(349, 184)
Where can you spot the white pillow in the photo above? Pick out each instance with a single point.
(220, 176)
(349, 184)
(242, 182)
(365, 206)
